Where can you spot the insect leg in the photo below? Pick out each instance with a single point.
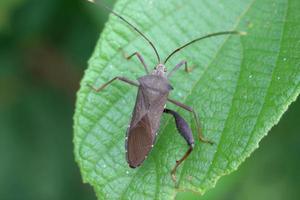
(185, 131)
(178, 66)
(110, 81)
(140, 58)
(188, 108)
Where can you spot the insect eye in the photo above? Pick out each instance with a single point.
(155, 68)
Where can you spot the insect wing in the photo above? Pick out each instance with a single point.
(139, 142)
(149, 106)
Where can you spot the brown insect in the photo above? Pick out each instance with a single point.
(152, 96)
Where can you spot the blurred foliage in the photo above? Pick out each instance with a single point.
(5, 12)
(44, 48)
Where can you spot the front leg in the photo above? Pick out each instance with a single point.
(182, 63)
(140, 57)
(188, 108)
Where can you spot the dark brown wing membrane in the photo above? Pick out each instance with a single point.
(139, 142)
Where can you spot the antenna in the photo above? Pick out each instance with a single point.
(201, 38)
(132, 26)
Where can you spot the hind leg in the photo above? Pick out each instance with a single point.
(200, 135)
(185, 131)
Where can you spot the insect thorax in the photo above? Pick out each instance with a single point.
(155, 83)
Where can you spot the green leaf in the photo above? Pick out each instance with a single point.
(240, 86)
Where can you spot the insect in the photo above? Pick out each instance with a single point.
(152, 96)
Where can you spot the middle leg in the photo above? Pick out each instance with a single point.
(125, 80)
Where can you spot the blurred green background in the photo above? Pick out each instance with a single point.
(44, 48)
